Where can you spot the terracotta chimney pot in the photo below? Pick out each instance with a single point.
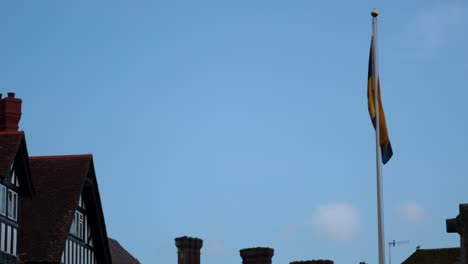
(10, 112)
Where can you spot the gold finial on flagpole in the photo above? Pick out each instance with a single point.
(374, 12)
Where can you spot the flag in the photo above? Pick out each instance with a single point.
(385, 146)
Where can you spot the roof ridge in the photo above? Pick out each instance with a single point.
(89, 155)
(427, 249)
(11, 132)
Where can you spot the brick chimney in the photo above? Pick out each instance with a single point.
(318, 261)
(258, 255)
(188, 250)
(10, 112)
(459, 225)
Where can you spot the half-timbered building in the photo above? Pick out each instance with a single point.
(15, 183)
(64, 223)
(50, 207)
(15, 177)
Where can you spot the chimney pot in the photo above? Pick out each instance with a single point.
(10, 112)
(258, 255)
(188, 249)
(318, 261)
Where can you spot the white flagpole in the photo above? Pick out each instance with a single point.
(375, 85)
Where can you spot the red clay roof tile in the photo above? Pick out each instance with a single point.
(10, 143)
(434, 256)
(46, 219)
(119, 254)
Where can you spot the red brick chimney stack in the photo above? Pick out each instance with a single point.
(318, 261)
(188, 250)
(10, 112)
(258, 255)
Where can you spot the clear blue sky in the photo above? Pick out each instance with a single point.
(245, 123)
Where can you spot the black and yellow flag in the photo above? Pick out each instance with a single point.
(385, 146)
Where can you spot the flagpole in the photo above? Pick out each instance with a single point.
(375, 70)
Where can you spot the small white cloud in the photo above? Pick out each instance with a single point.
(214, 247)
(411, 212)
(336, 221)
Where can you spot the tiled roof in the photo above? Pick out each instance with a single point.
(13, 149)
(10, 143)
(46, 219)
(119, 254)
(434, 256)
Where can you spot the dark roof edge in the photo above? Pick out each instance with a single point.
(92, 184)
(89, 155)
(27, 170)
